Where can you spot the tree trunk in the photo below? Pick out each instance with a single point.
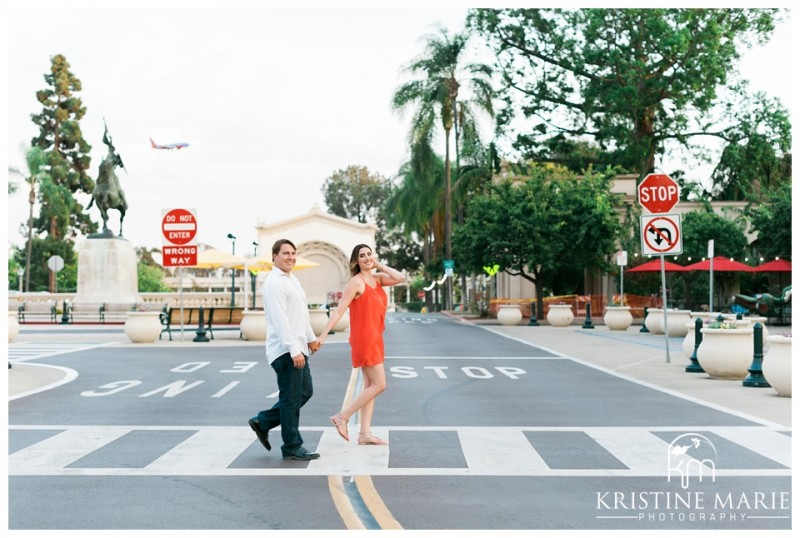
(31, 200)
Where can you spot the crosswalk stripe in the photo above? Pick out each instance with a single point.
(25, 351)
(499, 452)
(487, 451)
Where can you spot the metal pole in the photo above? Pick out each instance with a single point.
(664, 303)
(180, 296)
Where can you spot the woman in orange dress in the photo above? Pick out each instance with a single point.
(367, 300)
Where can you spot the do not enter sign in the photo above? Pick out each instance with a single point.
(179, 227)
(658, 193)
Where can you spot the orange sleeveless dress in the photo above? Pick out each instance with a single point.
(367, 315)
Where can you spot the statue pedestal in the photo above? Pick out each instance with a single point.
(107, 272)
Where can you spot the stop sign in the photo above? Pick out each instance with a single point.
(178, 226)
(658, 193)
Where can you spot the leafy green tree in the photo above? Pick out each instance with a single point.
(699, 227)
(67, 160)
(772, 221)
(637, 83)
(550, 223)
(442, 74)
(150, 273)
(356, 194)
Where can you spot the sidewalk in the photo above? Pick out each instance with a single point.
(638, 356)
(642, 357)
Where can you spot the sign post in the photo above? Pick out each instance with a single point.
(179, 246)
(661, 232)
(622, 261)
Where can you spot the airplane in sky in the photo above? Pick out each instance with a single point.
(176, 145)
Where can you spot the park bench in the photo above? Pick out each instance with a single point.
(224, 318)
(85, 312)
(214, 318)
(31, 311)
(107, 312)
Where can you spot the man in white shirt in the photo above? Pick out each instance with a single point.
(289, 339)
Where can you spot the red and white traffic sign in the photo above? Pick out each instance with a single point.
(179, 228)
(661, 234)
(658, 193)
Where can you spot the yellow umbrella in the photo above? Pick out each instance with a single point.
(264, 263)
(213, 259)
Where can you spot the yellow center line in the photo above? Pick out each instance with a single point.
(366, 489)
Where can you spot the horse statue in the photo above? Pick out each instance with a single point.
(107, 191)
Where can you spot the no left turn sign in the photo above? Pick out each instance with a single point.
(661, 234)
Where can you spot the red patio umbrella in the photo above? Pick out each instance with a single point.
(655, 266)
(721, 263)
(774, 266)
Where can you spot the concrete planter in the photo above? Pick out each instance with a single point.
(726, 353)
(618, 318)
(142, 327)
(655, 320)
(509, 314)
(13, 326)
(319, 319)
(343, 323)
(253, 325)
(777, 365)
(676, 322)
(560, 315)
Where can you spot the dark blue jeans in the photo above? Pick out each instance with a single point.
(294, 390)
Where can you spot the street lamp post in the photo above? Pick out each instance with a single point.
(253, 276)
(20, 272)
(233, 271)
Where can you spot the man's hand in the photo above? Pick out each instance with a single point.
(314, 346)
(299, 360)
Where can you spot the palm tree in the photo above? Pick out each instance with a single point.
(36, 160)
(436, 95)
(412, 205)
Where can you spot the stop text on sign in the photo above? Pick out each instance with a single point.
(659, 193)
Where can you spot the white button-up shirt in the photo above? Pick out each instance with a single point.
(285, 309)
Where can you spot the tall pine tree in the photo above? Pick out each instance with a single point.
(61, 217)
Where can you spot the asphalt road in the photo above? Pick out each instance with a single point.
(485, 432)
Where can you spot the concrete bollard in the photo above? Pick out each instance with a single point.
(587, 322)
(201, 329)
(533, 322)
(756, 377)
(695, 367)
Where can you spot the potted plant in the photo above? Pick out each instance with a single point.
(142, 326)
(726, 351)
(319, 317)
(509, 314)
(253, 325)
(618, 316)
(13, 326)
(777, 364)
(560, 315)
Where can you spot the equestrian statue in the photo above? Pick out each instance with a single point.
(107, 193)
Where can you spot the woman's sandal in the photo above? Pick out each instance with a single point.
(341, 425)
(366, 438)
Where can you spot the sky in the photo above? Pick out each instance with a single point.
(271, 101)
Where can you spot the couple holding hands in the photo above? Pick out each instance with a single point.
(290, 340)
